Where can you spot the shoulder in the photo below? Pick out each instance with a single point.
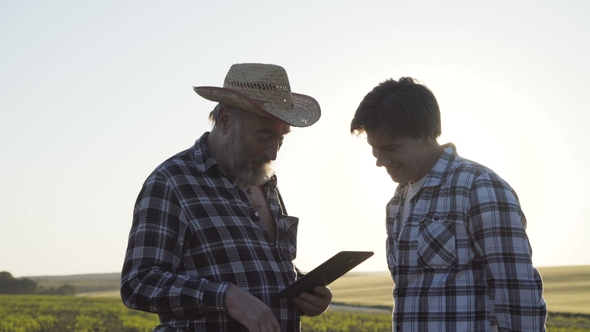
(482, 184)
(177, 164)
(194, 162)
(466, 168)
(468, 176)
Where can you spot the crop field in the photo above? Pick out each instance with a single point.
(46, 313)
(99, 308)
(363, 289)
(85, 283)
(567, 289)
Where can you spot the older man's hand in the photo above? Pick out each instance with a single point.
(250, 311)
(314, 304)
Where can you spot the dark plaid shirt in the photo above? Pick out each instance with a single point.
(462, 260)
(194, 232)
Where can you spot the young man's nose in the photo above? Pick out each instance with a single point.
(381, 159)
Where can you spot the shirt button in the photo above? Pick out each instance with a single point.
(256, 214)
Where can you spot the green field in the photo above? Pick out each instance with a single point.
(98, 307)
(46, 313)
(85, 283)
(363, 289)
(567, 289)
(50, 313)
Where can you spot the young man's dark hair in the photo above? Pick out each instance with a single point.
(402, 108)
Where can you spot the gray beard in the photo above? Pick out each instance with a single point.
(240, 166)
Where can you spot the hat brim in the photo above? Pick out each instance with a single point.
(305, 112)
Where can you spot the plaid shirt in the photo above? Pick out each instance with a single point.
(462, 260)
(194, 232)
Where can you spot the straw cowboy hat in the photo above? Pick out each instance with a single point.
(263, 89)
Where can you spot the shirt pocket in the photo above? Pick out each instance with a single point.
(287, 236)
(436, 243)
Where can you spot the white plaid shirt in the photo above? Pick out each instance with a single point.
(462, 260)
(193, 233)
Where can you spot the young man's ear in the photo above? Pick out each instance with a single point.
(428, 137)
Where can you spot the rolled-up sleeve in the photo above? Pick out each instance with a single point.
(150, 280)
(498, 229)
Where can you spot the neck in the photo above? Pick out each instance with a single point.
(215, 146)
(435, 153)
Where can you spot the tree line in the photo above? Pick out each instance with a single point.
(11, 285)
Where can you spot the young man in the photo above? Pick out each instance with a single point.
(456, 243)
(211, 244)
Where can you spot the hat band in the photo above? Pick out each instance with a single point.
(259, 86)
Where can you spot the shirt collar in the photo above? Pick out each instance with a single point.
(203, 158)
(439, 171)
(443, 166)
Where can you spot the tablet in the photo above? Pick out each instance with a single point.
(326, 272)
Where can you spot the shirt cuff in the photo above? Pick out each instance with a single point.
(214, 296)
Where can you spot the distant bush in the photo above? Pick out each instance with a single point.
(11, 285)
(61, 290)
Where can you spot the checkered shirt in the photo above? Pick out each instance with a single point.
(194, 232)
(462, 260)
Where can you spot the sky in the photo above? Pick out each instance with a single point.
(94, 95)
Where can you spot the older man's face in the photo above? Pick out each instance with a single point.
(252, 144)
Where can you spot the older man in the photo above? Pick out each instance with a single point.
(211, 244)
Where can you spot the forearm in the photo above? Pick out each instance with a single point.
(152, 277)
(519, 303)
(157, 291)
(498, 230)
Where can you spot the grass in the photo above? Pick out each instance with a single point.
(47, 313)
(371, 289)
(567, 288)
(567, 292)
(84, 283)
(44, 313)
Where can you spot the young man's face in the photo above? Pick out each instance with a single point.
(252, 145)
(404, 158)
